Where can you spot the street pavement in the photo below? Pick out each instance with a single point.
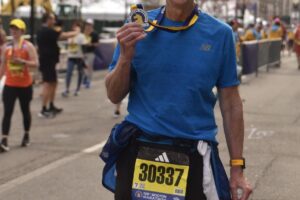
(62, 162)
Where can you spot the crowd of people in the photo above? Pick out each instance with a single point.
(19, 58)
(290, 35)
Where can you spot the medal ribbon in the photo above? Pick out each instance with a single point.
(189, 22)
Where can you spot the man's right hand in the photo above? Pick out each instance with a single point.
(127, 37)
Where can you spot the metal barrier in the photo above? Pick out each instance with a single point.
(257, 54)
(275, 52)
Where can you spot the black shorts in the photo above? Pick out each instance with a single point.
(48, 70)
(125, 169)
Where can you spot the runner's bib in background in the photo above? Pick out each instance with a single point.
(160, 174)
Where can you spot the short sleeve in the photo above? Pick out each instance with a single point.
(228, 72)
(115, 58)
(55, 34)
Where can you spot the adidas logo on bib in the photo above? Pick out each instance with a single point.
(162, 158)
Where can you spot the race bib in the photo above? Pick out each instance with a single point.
(16, 69)
(160, 175)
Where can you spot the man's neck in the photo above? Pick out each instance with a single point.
(179, 13)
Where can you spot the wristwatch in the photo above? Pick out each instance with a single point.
(238, 162)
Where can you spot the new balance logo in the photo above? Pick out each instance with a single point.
(162, 158)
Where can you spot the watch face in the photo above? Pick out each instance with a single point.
(139, 16)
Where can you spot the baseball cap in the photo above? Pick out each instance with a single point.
(90, 21)
(277, 20)
(20, 24)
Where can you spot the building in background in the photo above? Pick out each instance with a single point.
(268, 9)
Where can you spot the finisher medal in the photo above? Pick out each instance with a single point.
(138, 15)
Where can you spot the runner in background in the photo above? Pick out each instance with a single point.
(89, 51)
(75, 58)
(17, 57)
(47, 38)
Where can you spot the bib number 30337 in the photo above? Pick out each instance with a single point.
(160, 175)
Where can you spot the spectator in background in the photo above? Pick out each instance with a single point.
(47, 38)
(261, 31)
(276, 31)
(297, 45)
(92, 39)
(235, 25)
(16, 59)
(290, 40)
(75, 57)
(251, 34)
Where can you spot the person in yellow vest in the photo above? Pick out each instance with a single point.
(250, 34)
(253, 33)
(290, 38)
(276, 31)
(261, 30)
(297, 45)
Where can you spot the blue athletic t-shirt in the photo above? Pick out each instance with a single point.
(173, 75)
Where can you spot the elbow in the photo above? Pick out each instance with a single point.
(113, 98)
(114, 92)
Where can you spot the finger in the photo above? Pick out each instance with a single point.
(128, 25)
(234, 193)
(131, 37)
(131, 43)
(124, 33)
(246, 192)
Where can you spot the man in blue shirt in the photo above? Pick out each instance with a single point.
(169, 76)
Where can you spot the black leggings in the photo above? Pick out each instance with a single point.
(9, 97)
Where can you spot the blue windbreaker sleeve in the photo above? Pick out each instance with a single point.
(228, 73)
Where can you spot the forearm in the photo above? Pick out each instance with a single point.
(233, 123)
(31, 63)
(67, 35)
(118, 81)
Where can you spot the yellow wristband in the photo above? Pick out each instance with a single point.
(238, 162)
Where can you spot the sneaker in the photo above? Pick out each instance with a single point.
(4, 146)
(45, 114)
(117, 114)
(87, 84)
(76, 93)
(25, 140)
(65, 94)
(54, 110)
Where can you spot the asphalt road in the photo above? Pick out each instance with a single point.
(62, 162)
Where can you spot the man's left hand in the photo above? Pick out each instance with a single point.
(238, 181)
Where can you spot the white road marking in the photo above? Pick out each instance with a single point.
(255, 133)
(47, 168)
(94, 148)
(60, 136)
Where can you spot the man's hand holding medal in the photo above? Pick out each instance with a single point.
(132, 32)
